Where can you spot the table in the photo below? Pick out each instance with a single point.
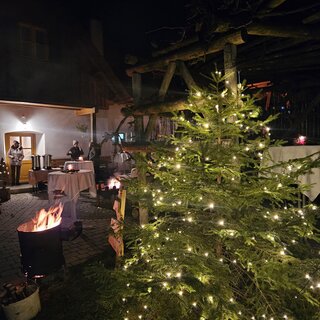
(36, 176)
(279, 154)
(71, 184)
(79, 165)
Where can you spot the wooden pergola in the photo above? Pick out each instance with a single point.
(278, 36)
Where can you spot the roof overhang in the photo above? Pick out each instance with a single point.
(78, 109)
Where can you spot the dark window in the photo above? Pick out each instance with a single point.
(33, 42)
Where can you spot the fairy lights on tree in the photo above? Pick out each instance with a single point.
(227, 239)
(4, 173)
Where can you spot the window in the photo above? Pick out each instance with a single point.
(33, 42)
(25, 142)
(117, 139)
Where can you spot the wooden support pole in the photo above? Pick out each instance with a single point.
(162, 93)
(186, 75)
(136, 87)
(123, 197)
(230, 54)
(138, 120)
(166, 80)
(150, 126)
(143, 214)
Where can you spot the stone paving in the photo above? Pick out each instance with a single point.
(23, 206)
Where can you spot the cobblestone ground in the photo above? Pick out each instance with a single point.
(22, 207)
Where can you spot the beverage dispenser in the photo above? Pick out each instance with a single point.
(35, 162)
(47, 161)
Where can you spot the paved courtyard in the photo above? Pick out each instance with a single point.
(23, 206)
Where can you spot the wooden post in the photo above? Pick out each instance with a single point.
(230, 54)
(143, 214)
(116, 240)
(123, 197)
(162, 92)
(166, 80)
(186, 75)
(138, 120)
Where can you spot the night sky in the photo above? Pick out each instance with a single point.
(128, 25)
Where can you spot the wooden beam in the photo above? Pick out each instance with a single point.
(186, 75)
(312, 18)
(166, 80)
(193, 51)
(176, 46)
(156, 108)
(283, 31)
(85, 111)
(270, 5)
(162, 92)
(14, 104)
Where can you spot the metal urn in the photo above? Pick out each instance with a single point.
(47, 161)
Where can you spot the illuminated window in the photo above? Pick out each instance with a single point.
(117, 139)
(33, 42)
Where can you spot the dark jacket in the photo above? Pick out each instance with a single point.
(75, 153)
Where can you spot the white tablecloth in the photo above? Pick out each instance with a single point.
(36, 176)
(279, 154)
(72, 184)
(79, 165)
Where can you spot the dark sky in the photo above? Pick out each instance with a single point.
(127, 24)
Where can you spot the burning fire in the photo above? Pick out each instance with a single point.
(114, 183)
(43, 220)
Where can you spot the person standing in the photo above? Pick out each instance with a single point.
(16, 156)
(94, 156)
(75, 151)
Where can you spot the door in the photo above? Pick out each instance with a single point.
(28, 142)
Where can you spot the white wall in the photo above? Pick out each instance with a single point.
(56, 128)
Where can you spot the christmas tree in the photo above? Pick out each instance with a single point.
(4, 178)
(4, 173)
(226, 238)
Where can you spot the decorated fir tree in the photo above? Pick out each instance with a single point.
(4, 173)
(4, 179)
(226, 238)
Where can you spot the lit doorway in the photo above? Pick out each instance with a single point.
(28, 142)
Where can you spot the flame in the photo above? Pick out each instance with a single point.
(44, 220)
(114, 183)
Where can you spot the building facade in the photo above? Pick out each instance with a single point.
(55, 85)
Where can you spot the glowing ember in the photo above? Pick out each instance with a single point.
(114, 183)
(43, 220)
